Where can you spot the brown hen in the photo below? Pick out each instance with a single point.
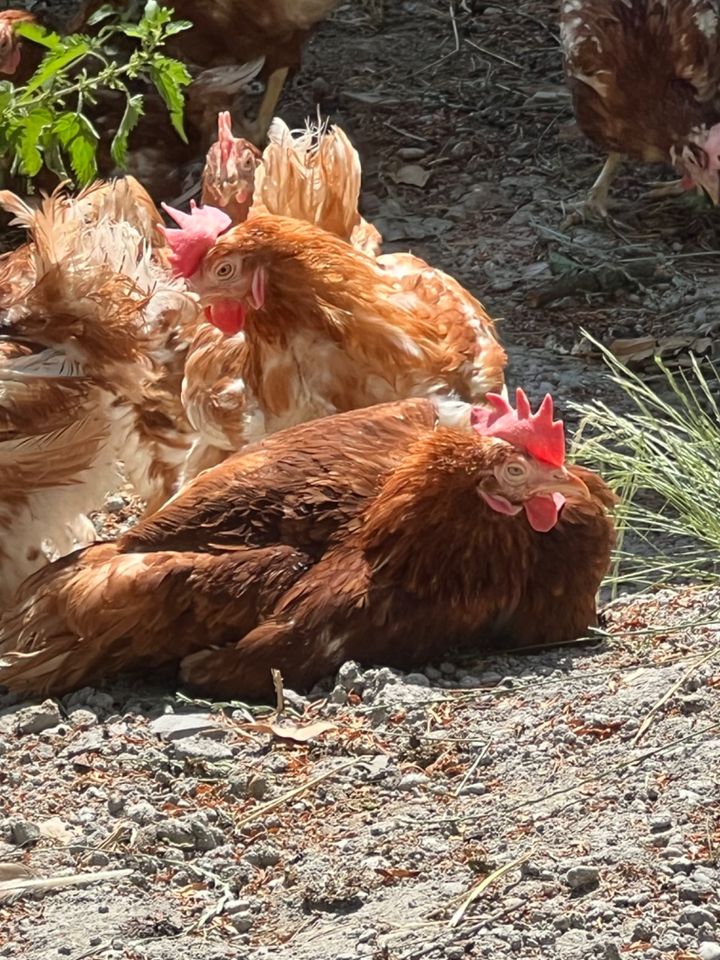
(645, 79)
(383, 535)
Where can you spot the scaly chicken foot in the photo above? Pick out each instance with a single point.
(594, 207)
(274, 88)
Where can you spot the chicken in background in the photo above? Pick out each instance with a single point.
(645, 78)
(228, 179)
(232, 32)
(328, 327)
(85, 310)
(385, 535)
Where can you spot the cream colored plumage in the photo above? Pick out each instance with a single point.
(85, 314)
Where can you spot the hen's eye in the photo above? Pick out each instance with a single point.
(515, 471)
(224, 270)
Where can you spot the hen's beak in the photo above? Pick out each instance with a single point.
(560, 480)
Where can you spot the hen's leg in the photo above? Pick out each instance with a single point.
(594, 207)
(274, 87)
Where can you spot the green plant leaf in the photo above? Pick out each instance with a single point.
(83, 151)
(102, 13)
(79, 139)
(6, 94)
(53, 157)
(55, 62)
(28, 143)
(177, 26)
(133, 30)
(38, 34)
(133, 112)
(169, 77)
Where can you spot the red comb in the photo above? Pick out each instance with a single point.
(535, 433)
(198, 231)
(225, 135)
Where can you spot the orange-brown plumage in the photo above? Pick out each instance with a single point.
(340, 326)
(365, 536)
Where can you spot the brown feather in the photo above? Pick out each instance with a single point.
(359, 536)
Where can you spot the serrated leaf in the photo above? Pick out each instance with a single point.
(54, 158)
(177, 26)
(133, 112)
(83, 150)
(38, 34)
(169, 77)
(102, 13)
(28, 143)
(133, 30)
(55, 61)
(66, 127)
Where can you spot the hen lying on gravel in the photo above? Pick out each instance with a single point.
(383, 535)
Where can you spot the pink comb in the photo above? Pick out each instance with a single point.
(225, 139)
(198, 231)
(536, 433)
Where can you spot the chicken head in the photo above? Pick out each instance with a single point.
(700, 162)
(530, 474)
(228, 180)
(226, 283)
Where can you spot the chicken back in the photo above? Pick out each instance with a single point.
(387, 535)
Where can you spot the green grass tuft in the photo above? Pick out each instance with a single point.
(663, 460)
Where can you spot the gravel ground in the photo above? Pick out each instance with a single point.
(559, 805)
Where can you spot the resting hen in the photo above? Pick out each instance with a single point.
(386, 535)
(85, 314)
(645, 78)
(310, 325)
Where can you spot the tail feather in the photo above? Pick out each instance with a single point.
(314, 175)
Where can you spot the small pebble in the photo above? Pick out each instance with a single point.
(582, 877)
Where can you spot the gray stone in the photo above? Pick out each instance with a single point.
(39, 718)
(141, 812)
(23, 832)
(350, 676)
(417, 679)
(263, 855)
(697, 916)
(709, 950)
(659, 822)
(179, 726)
(242, 921)
(201, 748)
(411, 781)
(582, 877)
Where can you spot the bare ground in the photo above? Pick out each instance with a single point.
(561, 805)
